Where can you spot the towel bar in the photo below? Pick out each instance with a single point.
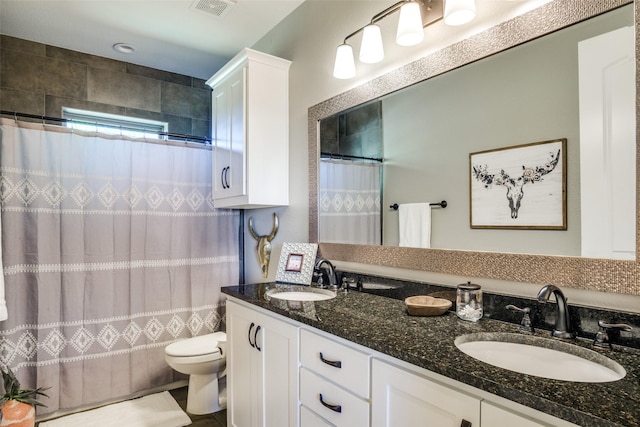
(442, 204)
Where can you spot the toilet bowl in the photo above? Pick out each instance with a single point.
(203, 358)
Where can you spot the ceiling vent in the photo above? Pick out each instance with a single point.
(219, 8)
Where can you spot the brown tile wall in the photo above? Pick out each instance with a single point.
(40, 79)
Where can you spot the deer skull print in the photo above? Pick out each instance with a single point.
(516, 175)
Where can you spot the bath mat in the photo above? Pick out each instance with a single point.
(156, 410)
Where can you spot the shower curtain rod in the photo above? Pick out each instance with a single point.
(189, 138)
(347, 157)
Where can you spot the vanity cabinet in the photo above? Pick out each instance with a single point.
(284, 373)
(250, 132)
(334, 382)
(262, 369)
(402, 398)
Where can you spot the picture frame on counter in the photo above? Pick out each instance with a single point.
(296, 263)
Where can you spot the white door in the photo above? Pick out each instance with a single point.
(401, 398)
(608, 145)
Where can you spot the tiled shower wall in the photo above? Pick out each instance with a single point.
(356, 132)
(40, 79)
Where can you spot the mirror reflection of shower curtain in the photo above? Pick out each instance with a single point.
(349, 210)
(112, 250)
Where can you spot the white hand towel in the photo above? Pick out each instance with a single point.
(415, 225)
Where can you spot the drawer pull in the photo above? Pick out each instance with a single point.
(249, 334)
(465, 423)
(334, 408)
(334, 363)
(255, 338)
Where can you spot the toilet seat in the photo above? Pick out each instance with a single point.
(198, 346)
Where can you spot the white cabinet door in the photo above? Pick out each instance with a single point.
(262, 369)
(279, 362)
(229, 136)
(243, 372)
(494, 415)
(401, 398)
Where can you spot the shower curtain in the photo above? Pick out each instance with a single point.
(349, 202)
(111, 250)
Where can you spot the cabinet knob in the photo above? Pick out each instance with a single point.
(334, 408)
(465, 423)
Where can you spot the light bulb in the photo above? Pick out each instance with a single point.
(371, 50)
(344, 67)
(459, 12)
(410, 29)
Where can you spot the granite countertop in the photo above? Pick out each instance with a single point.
(384, 325)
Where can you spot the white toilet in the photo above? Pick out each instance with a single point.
(203, 358)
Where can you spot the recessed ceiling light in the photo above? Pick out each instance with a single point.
(123, 48)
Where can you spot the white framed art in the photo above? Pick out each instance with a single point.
(520, 187)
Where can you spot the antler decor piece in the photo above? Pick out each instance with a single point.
(264, 244)
(512, 169)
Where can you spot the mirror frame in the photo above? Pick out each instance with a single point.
(605, 275)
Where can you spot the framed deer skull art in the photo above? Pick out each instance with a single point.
(522, 186)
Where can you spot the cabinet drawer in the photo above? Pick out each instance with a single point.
(311, 419)
(348, 410)
(338, 363)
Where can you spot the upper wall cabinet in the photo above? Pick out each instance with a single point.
(250, 107)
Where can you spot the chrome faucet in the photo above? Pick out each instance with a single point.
(562, 328)
(331, 272)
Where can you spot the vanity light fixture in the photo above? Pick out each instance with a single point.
(415, 15)
(371, 50)
(410, 30)
(345, 67)
(459, 12)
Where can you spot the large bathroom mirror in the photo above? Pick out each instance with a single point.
(421, 113)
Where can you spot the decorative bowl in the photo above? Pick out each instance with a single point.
(424, 305)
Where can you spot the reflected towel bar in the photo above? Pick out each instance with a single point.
(442, 204)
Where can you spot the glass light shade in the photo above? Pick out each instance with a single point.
(371, 50)
(459, 12)
(410, 30)
(345, 67)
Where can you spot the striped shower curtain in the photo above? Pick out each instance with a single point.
(111, 250)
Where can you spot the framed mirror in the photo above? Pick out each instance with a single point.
(499, 259)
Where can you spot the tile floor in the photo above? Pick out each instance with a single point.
(218, 419)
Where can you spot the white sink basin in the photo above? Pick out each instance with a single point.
(546, 358)
(304, 294)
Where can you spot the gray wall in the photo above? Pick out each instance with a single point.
(527, 94)
(40, 79)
